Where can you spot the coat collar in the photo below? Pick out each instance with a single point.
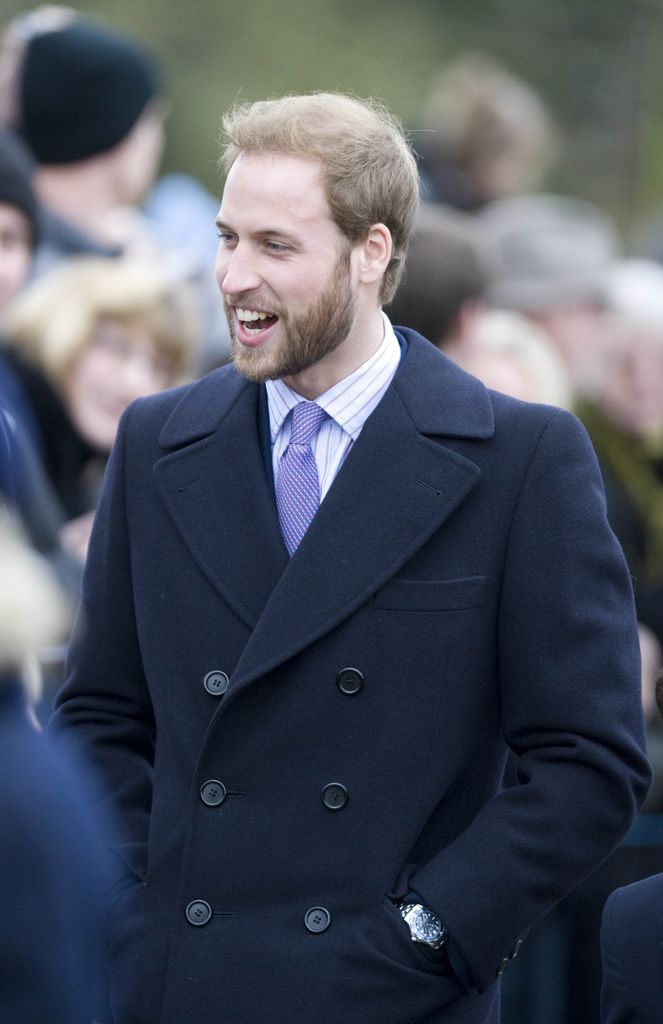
(395, 489)
(443, 400)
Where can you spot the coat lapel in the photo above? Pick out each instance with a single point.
(396, 488)
(215, 488)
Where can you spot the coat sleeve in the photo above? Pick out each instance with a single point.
(105, 703)
(569, 687)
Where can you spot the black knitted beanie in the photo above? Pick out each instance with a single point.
(82, 89)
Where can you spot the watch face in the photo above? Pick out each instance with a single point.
(426, 925)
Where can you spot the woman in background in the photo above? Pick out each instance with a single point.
(86, 340)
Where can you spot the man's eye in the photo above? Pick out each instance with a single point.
(276, 247)
(226, 237)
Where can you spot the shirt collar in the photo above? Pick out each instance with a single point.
(367, 383)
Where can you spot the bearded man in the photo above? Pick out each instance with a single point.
(330, 588)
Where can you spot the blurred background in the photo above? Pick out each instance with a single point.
(595, 62)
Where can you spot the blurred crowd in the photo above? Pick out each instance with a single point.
(107, 293)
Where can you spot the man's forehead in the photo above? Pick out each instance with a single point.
(277, 181)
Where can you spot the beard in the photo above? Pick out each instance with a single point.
(305, 338)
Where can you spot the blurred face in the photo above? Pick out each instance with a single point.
(15, 251)
(139, 155)
(121, 363)
(633, 382)
(283, 267)
(581, 335)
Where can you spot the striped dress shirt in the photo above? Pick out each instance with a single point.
(348, 405)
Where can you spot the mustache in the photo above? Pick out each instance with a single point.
(250, 300)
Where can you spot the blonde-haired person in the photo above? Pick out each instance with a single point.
(86, 340)
(56, 876)
(510, 354)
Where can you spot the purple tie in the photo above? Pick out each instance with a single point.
(297, 485)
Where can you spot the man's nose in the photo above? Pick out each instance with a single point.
(236, 271)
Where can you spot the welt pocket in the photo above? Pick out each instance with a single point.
(432, 595)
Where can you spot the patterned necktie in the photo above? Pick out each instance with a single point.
(297, 485)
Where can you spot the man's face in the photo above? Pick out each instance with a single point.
(283, 267)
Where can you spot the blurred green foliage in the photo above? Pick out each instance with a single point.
(595, 62)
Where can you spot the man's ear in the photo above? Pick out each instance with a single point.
(374, 253)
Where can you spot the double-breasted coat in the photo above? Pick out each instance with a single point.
(294, 743)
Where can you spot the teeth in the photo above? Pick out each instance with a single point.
(251, 314)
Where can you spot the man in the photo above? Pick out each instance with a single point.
(632, 945)
(89, 102)
(91, 111)
(552, 259)
(441, 294)
(305, 729)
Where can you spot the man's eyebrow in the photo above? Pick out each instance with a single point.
(268, 232)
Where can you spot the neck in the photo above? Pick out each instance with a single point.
(363, 341)
(83, 194)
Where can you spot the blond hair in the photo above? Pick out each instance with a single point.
(507, 337)
(369, 173)
(55, 318)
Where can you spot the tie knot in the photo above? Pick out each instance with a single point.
(307, 418)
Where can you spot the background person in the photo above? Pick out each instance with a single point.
(55, 871)
(23, 483)
(86, 340)
(91, 111)
(90, 103)
(509, 353)
(551, 258)
(446, 276)
(631, 941)
(624, 418)
(485, 134)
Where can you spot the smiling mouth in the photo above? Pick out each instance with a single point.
(255, 321)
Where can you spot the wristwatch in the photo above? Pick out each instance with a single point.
(425, 926)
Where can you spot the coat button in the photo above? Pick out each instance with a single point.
(317, 919)
(212, 793)
(334, 796)
(198, 912)
(350, 681)
(502, 966)
(216, 682)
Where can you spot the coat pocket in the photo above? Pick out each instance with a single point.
(431, 595)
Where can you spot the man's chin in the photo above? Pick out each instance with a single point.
(254, 364)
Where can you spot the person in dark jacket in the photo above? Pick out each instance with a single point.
(56, 875)
(329, 588)
(632, 946)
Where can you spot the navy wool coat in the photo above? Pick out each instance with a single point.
(632, 954)
(293, 742)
